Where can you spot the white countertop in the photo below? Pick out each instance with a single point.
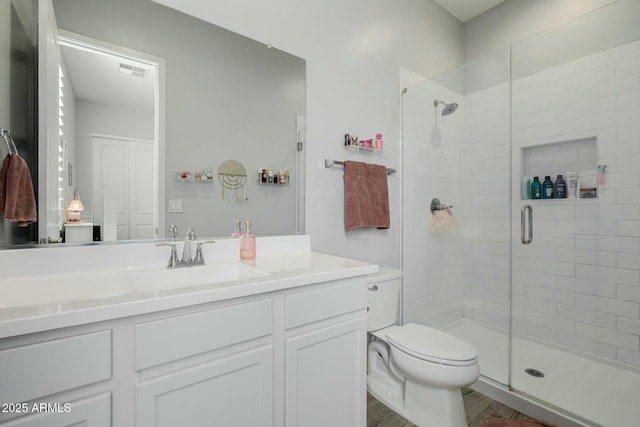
(37, 302)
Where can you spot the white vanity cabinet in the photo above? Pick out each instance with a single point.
(291, 357)
(56, 382)
(212, 367)
(325, 353)
(94, 411)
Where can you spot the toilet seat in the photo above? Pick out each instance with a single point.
(432, 345)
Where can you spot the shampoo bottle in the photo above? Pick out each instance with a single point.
(248, 243)
(560, 188)
(536, 188)
(547, 188)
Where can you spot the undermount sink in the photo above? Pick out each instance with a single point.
(164, 279)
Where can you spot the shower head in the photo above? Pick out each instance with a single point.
(448, 108)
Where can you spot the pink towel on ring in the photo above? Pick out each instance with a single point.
(366, 196)
(17, 200)
(3, 182)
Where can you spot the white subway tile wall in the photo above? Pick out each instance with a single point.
(433, 292)
(578, 283)
(588, 250)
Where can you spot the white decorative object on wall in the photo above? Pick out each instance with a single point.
(233, 178)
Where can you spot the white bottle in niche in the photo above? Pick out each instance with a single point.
(526, 188)
(572, 185)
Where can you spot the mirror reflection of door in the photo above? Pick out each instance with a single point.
(122, 193)
(109, 126)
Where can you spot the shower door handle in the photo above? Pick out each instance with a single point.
(526, 218)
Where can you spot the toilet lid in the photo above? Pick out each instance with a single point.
(432, 345)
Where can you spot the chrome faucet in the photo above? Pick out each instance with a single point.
(186, 260)
(173, 259)
(186, 251)
(199, 259)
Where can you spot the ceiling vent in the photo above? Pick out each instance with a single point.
(132, 70)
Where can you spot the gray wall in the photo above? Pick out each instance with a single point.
(516, 20)
(227, 97)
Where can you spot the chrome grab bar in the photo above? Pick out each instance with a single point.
(523, 213)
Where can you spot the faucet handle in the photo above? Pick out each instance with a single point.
(173, 260)
(174, 229)
(199, 259)
(191, 234)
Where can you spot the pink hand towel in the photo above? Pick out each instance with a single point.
(366, 196)
(19, 200)
(3, 182)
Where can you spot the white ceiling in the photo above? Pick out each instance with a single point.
(96, 77)
(467, 9)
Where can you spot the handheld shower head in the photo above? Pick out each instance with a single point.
(448, 108)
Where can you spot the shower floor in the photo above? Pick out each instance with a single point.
(587, 388)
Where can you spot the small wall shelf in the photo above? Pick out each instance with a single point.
(368, 145)
(204, 176)
(362, 148)
(273, 177)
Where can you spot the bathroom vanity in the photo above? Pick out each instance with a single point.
(278, 342)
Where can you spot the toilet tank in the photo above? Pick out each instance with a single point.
(383, 298)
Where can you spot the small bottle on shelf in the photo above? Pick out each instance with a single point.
(526, 188)
(547, 188)
(536, 188)
(379, 143)
(248, 243)
(560, 188)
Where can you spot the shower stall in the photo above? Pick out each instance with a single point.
(547, 290)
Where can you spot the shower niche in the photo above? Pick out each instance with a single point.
(560, 158)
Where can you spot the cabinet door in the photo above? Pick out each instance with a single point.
(235, 391)
(325, 381)
(94, 411)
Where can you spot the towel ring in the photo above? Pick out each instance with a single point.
(6, 134)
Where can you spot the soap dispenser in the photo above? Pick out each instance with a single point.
(237, 233)
(247, 243)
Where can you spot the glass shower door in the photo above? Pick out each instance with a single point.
(575, 287)
(458, 279)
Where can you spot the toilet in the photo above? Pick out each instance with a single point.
(415, 370)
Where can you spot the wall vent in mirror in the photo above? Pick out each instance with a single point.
(132, 70)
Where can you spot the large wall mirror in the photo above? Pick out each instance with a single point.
(152, 102)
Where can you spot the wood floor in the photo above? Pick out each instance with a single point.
(478, 407)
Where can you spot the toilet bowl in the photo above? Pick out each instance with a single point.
(416, 370)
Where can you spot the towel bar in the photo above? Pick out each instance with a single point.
(328, 163)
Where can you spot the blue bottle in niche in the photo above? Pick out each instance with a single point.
(547, 188)
(560, 188)
(536, 188)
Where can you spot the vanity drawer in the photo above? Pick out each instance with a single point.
(165, 340)
(49, 367)
(302, 308)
